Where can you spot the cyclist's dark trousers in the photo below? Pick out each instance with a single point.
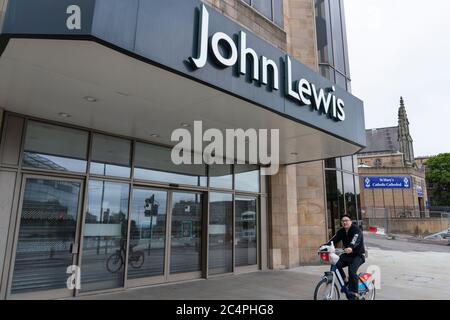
(353, 263)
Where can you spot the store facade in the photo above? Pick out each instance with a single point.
(90, 92)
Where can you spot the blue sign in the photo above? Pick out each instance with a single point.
(387, 182)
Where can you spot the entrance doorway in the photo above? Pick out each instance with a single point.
(166, 230)
(47, 237)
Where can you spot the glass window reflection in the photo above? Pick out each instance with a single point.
(335, 199)
(247, 178)
(104, 237)
(53, 147)
(350, 197)
(221, 176)
(154, 163)
(110, 156)
(246, 231)
(220, 233)
(47, 232)
(186, 235)
(263, 6)
(147, 233)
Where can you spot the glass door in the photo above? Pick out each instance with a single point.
(220, 227)
(104, 243)
(147, 245)
(186, 235)
(246, 232)
(47, 241)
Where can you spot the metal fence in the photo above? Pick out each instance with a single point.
(409, 222)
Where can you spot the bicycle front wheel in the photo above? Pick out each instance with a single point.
(325, 291)
(137, 259)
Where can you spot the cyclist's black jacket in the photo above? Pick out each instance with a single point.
(351, 239)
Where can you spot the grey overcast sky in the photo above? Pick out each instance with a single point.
(402, 48)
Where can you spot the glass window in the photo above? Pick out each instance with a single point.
(246, 232)
(323, 30)
(350, 196)
(338, 45)
(47, 233)
(220, 233)
(55, 148)
(110, 156)
(263, 6)
(335, 199)
(341, 81)
(358, 198)
(220, 176)
(154, 163)
(327, 72)
(105, 234)
(147, 233)
(186, 240)
(347, 163)
(247, 178)
(278, 12)
(330, 163)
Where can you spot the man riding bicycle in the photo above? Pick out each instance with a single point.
(354, 251)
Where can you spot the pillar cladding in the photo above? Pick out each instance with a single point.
(300, 27)
(284, 250)
(312, 230)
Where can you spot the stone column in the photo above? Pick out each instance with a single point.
(311, 210)
(284, 250)
(300, 26)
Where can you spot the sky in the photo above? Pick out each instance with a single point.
(402, 48)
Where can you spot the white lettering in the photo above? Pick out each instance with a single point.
(202, 48)
(74, 20)
(232, 59)
(244, 53)
(265, 63)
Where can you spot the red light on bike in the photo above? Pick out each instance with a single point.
(325, 256)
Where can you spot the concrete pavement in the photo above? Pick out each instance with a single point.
(408, 271)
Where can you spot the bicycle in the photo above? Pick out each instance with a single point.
(327, 288)
(116, 260)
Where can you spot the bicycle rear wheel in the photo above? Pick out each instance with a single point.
(370, 295)
(114, 263)
(324, 291)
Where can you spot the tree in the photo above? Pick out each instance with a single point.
(438, 178)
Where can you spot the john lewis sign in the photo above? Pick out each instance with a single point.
(387, 182)
(223, 55)
(227, 54)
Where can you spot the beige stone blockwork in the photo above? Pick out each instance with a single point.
(311, 210)
(249, 18)
(300, 26)
(284, 219)
(398, 198)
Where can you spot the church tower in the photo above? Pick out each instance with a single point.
(404, 137)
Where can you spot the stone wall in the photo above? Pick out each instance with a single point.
(394, 160)
(249, 18)
(413, 226)
(300, 26)
(284, 249)
(311, 210)
(393, 198)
